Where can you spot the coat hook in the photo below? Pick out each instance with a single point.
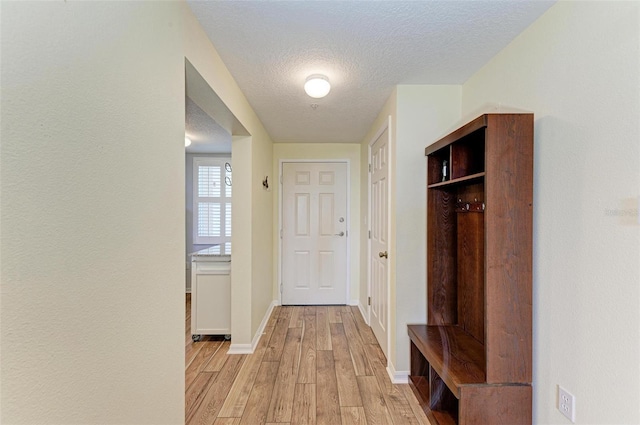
(265, 182)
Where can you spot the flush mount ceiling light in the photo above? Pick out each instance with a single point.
(187, 141)
(317, 86)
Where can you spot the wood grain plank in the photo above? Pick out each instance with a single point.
(238, 396)
(414, 404)
(208, 409)
(375, 407)
(281, 404)
(322, 327)
(356, 348)
(273, 318)
(334, 314)
(396, 401)
(296, 317)
(353, 416)
(399, 408)
(339, 342)
(255, 413)
(218, 359)
(227, 421)
(307, 368)
(197, 390)
(365, 330)
(207, 350)
(328, 400)
(191, 351)
(304, 404)
(348, 392)
(286, 311)
(276, 342)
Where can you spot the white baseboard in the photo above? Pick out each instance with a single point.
(363, 311)
(250, 348)
(397, 377)
(240, 349)
(354, 302)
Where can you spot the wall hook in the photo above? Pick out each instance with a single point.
(265, 182)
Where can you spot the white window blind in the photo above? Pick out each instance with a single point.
(212, 202)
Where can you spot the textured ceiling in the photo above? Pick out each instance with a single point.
(207, 136)
(364, 47)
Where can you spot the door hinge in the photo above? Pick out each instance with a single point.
(280, 179)
(369, 234)
(280, 233)
(369, 167)
(369, 301)
(281, 287)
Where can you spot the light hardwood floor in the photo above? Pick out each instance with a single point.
(313, 365)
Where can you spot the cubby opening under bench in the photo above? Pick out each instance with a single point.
(472, 363)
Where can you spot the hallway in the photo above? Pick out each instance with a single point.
(313, 365)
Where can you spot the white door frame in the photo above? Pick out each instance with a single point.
(281, 210)
(385, 126)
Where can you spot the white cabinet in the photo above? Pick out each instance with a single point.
(210, 297)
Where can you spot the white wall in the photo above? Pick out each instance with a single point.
(322, 151)
(577, 68)
(92, 217)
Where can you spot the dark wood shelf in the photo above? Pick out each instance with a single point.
(465, 130)
(454, 355)
(441, 418)
(421, 385)
(454, 182)
(471, 362)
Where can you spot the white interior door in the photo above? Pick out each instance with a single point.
(314, 233)
(379, 289)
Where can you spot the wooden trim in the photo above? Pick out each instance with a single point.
(465, 130)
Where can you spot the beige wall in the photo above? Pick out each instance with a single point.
(419, 115)
(321, 151)
(92, 219)
(262, 234)
(424, 114)
(577, 68)
(92, 215)
(252, 212)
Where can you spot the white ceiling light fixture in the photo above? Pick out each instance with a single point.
(317, 86)
(187, 141)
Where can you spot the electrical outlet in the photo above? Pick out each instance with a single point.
(567, 404)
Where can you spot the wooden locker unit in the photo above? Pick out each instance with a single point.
(472, 363)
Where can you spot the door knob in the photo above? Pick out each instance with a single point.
(340, 234)
(383, 254)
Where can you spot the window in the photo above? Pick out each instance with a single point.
(212, 202)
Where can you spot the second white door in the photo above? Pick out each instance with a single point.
(379, 289)
(314, 233)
